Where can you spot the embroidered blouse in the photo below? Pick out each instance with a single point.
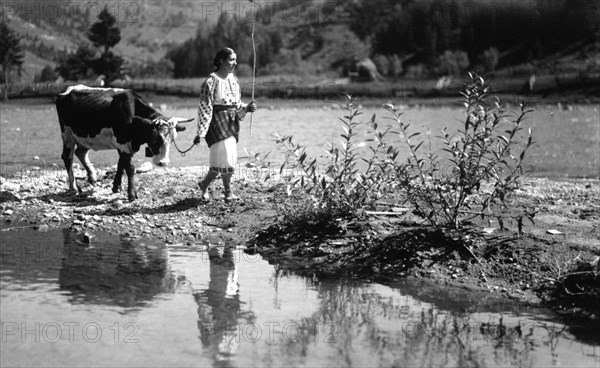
(218, 91)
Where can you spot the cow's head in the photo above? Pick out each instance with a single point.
(165, 133)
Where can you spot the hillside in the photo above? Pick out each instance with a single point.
(148, 27)
(311, 38)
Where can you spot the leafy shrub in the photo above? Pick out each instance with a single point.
(338, 186)
(484, 164)
(483, 167)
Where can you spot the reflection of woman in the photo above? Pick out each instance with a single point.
(219, 306)
(219, 115)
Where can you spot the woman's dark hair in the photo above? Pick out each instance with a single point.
(224, 53)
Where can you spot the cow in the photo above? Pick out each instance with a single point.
(112, 118)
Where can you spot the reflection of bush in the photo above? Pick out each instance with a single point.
(406, 332)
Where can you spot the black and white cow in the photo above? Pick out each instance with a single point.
(112, 118)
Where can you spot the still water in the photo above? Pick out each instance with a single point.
(121, 302)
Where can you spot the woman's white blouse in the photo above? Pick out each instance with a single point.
(218, 91)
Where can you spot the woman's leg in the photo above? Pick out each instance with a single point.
(223, 158)
(213, 172)
(229, 196)
(228, 167)
(214, 158)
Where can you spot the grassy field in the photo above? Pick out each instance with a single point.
(568, 137)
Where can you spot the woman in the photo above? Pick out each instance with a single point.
(219, 114)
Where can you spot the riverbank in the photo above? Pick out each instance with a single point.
(555, 261)
(573, 88)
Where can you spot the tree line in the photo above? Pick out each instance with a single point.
(440, 36)
(521, 31)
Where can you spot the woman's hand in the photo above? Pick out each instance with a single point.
(251, 107)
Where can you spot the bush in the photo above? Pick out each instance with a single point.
(77, 65)
(47, 74)
(340, 188)
(484, 164)
(453, 62)
(483, 167)
(382, 62)
(490, 59)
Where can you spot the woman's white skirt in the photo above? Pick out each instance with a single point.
(223, 154)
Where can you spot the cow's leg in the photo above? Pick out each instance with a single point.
(132, 190)
(130, 170)
(82, 155)
(119, 174)
(126, 164)
(67, 157)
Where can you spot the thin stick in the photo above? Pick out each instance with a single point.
(253, 71)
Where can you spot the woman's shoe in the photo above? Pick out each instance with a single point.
(230, 197)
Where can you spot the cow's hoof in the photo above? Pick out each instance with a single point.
(92, 181)
(132, 195)
(116, 189)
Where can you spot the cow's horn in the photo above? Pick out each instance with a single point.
(181, 120)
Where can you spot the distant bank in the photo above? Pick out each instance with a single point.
(573, 87)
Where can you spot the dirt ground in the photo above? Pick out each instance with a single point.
(555, 262)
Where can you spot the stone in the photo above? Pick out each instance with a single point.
(87, 237)
(145, 167)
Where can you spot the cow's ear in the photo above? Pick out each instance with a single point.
(143, 130)
(179, 128)
(141, 123)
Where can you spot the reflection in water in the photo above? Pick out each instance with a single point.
(219, 307)
(378, 326)
(111, 271)
(114, 273)
(30, 256)
(210, 313)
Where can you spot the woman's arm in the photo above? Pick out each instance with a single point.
(205, 107)
(242, 108)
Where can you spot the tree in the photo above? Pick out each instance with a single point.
(11, 52)
(78, 65)
(105, 32)
(46, 75)
(86, 62)
(109, 65)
